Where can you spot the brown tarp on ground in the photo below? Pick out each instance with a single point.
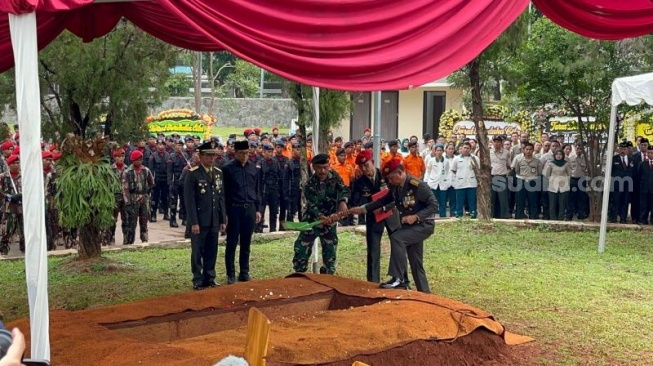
(380, 320)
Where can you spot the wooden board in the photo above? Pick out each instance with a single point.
(258, 336)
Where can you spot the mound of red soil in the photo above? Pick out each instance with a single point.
(316, 319)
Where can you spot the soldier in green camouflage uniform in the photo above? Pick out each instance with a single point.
(11, 188)
(137, 183)
(325, 194)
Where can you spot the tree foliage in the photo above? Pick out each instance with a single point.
(244, 79)
(562, 69)
(109, 82)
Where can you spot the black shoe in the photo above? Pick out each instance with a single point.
(166, 217)
(244, 277)
(198, 287)
(231, 280)
(394, 283)
(153, 218)
(183, 222)
(211, 284)
(173, 223)
(323, 270)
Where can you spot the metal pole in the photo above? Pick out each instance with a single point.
(260, 94)
(607, 178)
(376, 129)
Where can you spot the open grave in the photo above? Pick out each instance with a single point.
(316, 319)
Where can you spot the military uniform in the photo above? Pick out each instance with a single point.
(158, 165)
(205, 206)
(178, 161)
(136, 188)
(295, 192)
(271, 173)
(284, 183)
(51, 217)
(361, 193)
(242, 186)
(413, 197)
(322, 198)
(119, 209)
(11, 188)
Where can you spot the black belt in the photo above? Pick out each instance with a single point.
(497, 175)
(243, 205)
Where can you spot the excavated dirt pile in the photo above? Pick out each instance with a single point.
(316, 319)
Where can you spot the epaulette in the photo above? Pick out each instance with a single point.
(414, 182)
(193, 168)
(216, 168)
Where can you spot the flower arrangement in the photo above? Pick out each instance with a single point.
(181, 114)
(447, 120)
(494, 112)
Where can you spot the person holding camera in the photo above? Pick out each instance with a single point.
(12, 219)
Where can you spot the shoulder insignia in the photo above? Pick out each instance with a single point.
(217, 169)
(414, 182)
(193, 168)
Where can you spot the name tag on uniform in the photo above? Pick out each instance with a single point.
(533, 170)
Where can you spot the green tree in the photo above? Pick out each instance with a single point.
(561, 68)
(244, 79)
(108, 83)
(484, 75)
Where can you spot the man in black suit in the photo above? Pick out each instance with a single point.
(623, 169)
(645, 175)
(638, 157)
(205, 214)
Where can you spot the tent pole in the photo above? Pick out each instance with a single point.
(316, 150)
(607, 178)
(24, 42)
(377, 128)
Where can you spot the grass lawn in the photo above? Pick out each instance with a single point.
(581, 307)
(225, 131)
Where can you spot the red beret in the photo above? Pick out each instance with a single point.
(363, 157)
(257, 130)
(247, 132)
(53, 147)
(118, 152)
(7, 145)
(16, 150)
(135, 155)
(11, 159)
(46, 155)
(391, 166)
(56, 155)
(367, 130)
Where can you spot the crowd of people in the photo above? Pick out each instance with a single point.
(215, 186)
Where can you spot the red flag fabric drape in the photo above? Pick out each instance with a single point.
(601, 19)
(340, 44)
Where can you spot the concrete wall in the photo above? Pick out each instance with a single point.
(237, 112)
(240, 112)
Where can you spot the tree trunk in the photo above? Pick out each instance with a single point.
(197, 75)
(484, 171)
(90, 242)
(497, 89)
(108, 125)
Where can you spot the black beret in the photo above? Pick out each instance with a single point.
(241, 145)
(347, 144)
(253, 144)
(643, 140)
(280, 142)
(320, 159)
(268, 147)
(393, 142)
(340, 151)
(412, 143)
(169, 138)
(296, 145)
(497, 138)
(623, 144)
(629, 144)
(179, 142)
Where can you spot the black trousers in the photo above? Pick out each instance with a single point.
(160, 195)
(294, 205)
(645, 207)
(177, 195)
(373, 234)
(528, 191)
(270, 199)
(203, 254)
(240, 226)
(619, 199)
(409, 242)
(578, 199)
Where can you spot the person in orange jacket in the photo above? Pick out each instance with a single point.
(394, 153)
(414, 163)
(343, 169)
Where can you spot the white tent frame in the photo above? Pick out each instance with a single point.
(632, 90)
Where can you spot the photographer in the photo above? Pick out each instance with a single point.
(14, 354)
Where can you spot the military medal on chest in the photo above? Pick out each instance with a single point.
(409, 199)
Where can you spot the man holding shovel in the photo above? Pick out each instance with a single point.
(326, 194)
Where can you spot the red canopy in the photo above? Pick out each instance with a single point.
(340, 44)
(601, 19)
